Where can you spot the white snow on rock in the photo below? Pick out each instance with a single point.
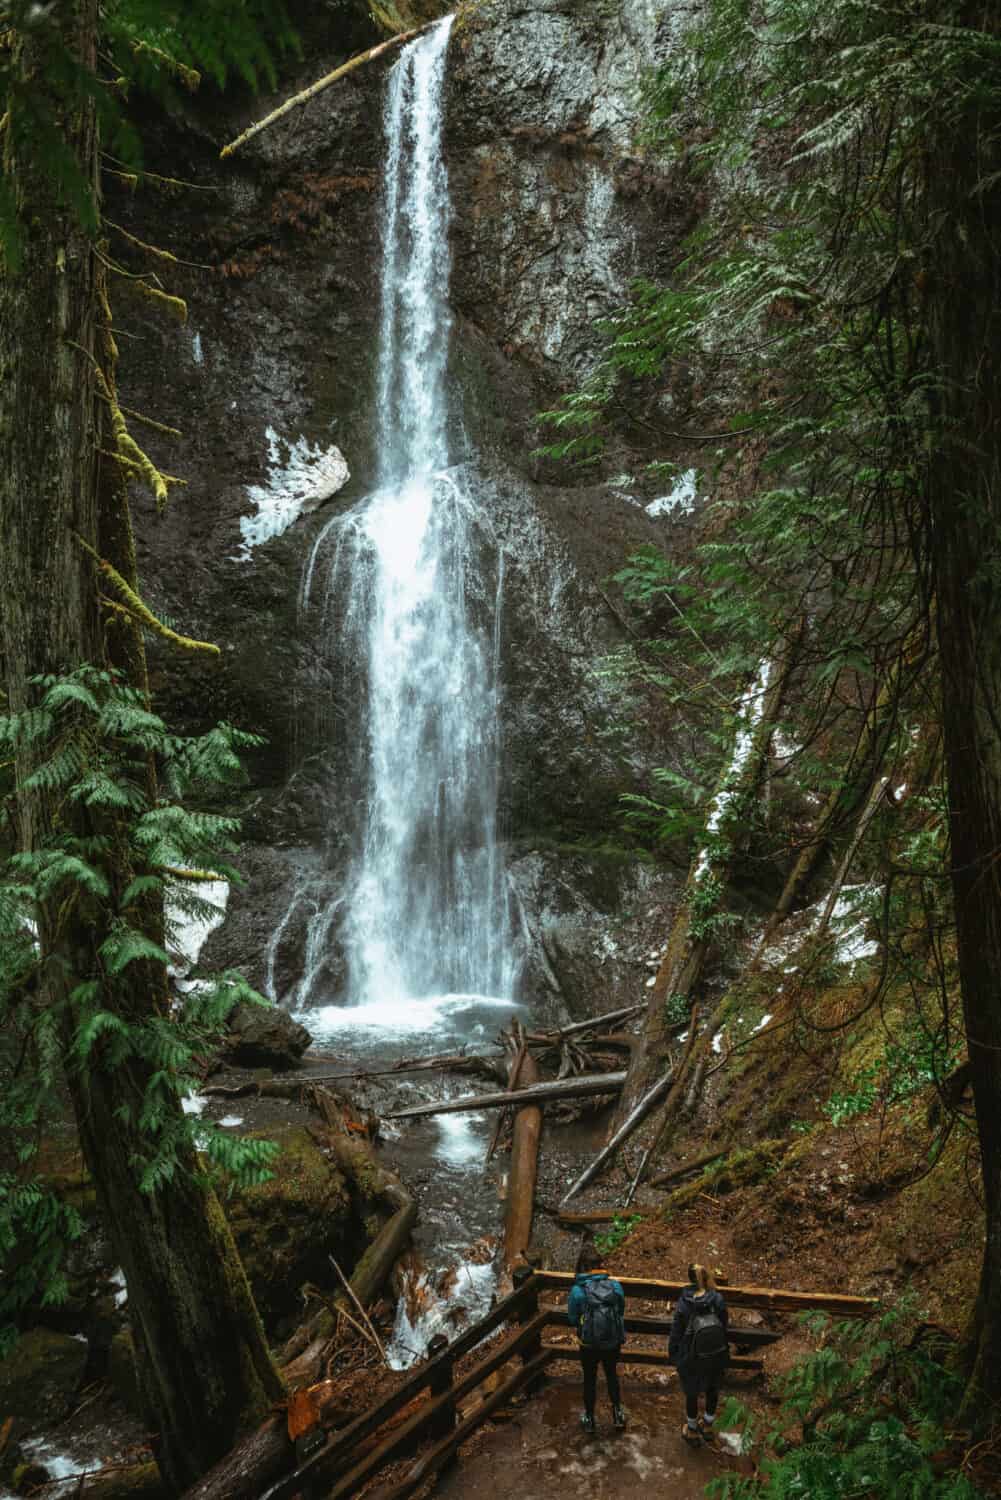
(296, 484)
(681, 497)
(187, 934)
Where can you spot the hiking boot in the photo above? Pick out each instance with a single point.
(691, 1435)
(587, 1423)
(618, 1418)
(708, 1431)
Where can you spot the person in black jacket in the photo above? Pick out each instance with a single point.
(698, 1349)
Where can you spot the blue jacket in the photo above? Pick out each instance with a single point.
(576, 1300)
(691, 1300)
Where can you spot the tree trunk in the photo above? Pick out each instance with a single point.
(964, 287)
(520, 1206)
(690, 942)
(204, 1367)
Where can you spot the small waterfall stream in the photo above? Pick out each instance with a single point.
(407, 586)
(406, 596)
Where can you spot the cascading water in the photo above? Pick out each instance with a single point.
(410, 588)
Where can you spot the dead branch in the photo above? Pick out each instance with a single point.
(317, 88)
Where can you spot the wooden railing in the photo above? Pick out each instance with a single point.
(338, 1468)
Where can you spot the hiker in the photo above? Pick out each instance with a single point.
(698, 1348)
(596, 1309)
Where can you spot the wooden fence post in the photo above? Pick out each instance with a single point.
(524, 1277)
(439, 1384)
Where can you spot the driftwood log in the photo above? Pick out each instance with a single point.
(625, 1130)
(587, 1086)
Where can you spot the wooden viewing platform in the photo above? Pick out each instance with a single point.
(339, 1463)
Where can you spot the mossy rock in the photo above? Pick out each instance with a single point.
(40, 1379)
(286, 1229)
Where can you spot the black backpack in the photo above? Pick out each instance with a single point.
(708, 1349)
(601, 1325)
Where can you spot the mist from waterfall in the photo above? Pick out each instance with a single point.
(410, 589)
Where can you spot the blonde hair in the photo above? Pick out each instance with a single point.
(704, 1277)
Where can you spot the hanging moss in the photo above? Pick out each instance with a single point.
(137, 610)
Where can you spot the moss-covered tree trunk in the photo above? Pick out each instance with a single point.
(205, 1370)
(964, 289)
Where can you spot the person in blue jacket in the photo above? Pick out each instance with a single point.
(596, 1310)
(697, 1347)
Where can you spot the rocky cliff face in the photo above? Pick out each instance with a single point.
(554, 209)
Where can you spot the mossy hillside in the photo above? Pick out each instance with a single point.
(286, 1229)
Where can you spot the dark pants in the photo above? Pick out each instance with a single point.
(692, 1403)
(607, 1359)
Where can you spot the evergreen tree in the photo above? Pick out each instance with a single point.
(843, 292)
(94, 835)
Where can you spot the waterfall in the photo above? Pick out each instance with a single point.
(409, 585)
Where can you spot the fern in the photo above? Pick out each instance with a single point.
(91, 738)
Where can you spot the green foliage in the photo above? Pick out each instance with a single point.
(620, 1228)
(66, 1011)
(904, 1068)
(875, 1402)
(677, 1009)
(152, 44)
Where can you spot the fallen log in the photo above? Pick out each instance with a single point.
(266, 1453)
(778, 1299)
(612, 1017)
(512, 1083)
(695, 1165)
(520, 1200)
(599, 1215)
(585, 1087)
(376, 1184)
(455, 1062)
(625, 1130)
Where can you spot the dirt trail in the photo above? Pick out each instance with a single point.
(541, 1452)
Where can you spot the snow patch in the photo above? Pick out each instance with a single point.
(752, 706)
(188, 934)
(763, 1022)
(681, 497)
(307, 477)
